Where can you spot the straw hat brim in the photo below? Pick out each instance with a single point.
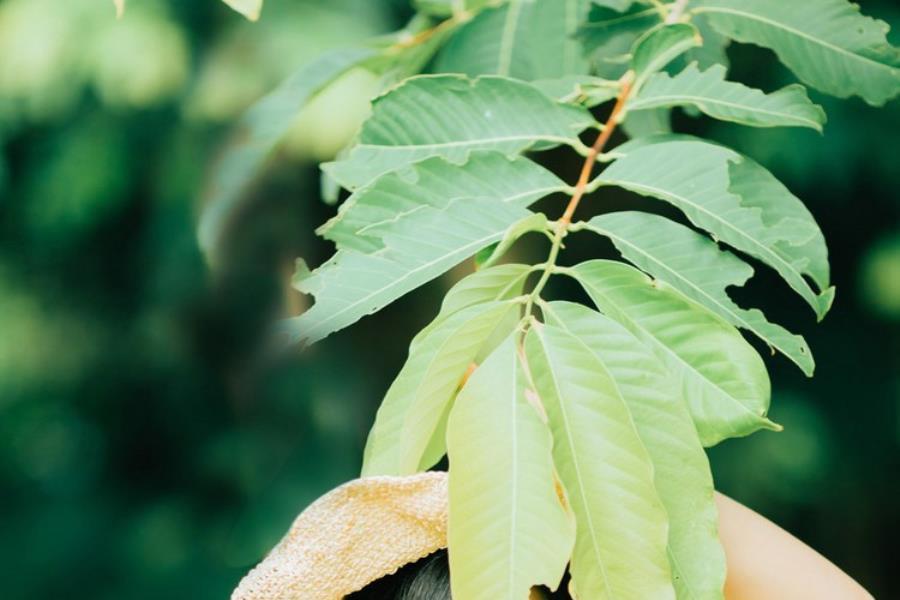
(352, 536)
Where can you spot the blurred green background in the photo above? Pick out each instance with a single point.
(151, 444)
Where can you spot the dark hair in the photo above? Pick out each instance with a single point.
(426, 579)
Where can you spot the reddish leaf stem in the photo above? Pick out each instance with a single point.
(591, 159)
(562, 226)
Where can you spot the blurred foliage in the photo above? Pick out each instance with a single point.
(153, 445)
(880, 278)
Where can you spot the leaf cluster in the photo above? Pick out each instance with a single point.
(575, 433)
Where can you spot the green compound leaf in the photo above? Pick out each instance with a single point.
(645, 123)
(524, 39)
(258, 133)
(508, 528)
(502, 282)
(786, 214)
(437, 8)
(416, 249)
(579, 89)
(608, 35)
(447, 8)
(660, 46)
(248, 8)
(710, 93)
(409, 226)
(680, 469)
(450, 116)
(714, 50)
(827, 43)
(535, 223)
(621, 524)
(436, 182)
(695, 266)
(617, 5)
(439, 356)
(722, 377)
(736, 200)
(494, 283)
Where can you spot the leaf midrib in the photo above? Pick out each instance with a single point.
(535, 137)
(734, 312)
(669, 552)
(514, 509)
(678, 357)
(427, 369)
(653, 102)
(507, 37)
(794, 31)
(325, 323)
(606, 24)
(507, 200)
(581, 491)
(570, 55)
(767, 251)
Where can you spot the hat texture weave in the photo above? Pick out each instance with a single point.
(348, 538)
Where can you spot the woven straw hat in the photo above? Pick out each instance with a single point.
(355, 534)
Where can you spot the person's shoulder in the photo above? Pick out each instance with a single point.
(767, 562)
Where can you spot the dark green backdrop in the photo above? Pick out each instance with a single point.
(152, 446)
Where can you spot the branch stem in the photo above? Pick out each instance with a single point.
(676, 11)
(423, 36)
(584, 179)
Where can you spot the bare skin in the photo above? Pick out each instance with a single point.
(767, 563)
